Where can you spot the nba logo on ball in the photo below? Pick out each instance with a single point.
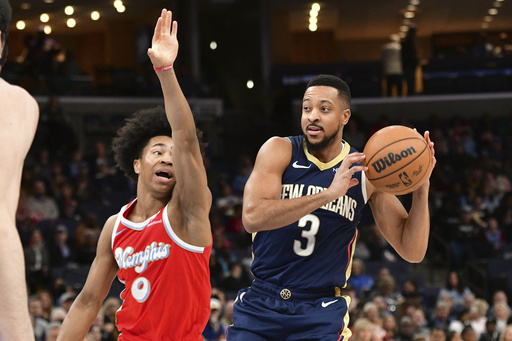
(397, 158)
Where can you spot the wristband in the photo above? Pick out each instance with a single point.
(164, 68)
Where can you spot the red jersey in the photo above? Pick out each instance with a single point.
(167, 281)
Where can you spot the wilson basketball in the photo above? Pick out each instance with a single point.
(398, 159)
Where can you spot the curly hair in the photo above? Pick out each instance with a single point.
(139, 128)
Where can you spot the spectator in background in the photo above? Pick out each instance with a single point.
(391, 59)
(39, 324)
(491, 333)
(108, 310)
(494, 237)
(371, 313)
(58, 314)
(227, 315)
(506, 334)
(360, 281)
(390, 328)
(386, 287)
(502, 315)
(419, 322)
(242, 175)
(410, 59)
(37, 263)
(468, 334)
(465, 238)
(67, 203)
(363, 330)
(214, 329)
(478, 313)
(406, 329)
(437, 334)
(89, 224)
(498, 296)
(46, 299)
(66, 300)
(441, 317)
(453, 336)
(40, 205)
(236, 280)
(59, 251)
(227, 201)
(456, 289)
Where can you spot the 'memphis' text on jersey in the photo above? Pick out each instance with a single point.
(153, 252)
(344, 206)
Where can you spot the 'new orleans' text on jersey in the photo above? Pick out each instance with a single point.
(316, 251)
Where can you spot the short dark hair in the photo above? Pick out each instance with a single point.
(5, 18)
(139, 128)
(334, 82)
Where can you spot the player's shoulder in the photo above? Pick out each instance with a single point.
(15, 90)
(110, 224)
(277, 144)
(19, 97)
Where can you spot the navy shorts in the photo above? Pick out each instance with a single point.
(265, 312)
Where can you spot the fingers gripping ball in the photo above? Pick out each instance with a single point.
(398, 159)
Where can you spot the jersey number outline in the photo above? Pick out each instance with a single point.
(309, 235)
(140, 289)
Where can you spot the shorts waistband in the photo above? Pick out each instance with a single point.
(287, 293)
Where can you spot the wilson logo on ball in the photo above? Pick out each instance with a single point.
(392, 158)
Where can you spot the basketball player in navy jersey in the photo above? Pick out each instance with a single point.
(303, 202)
(19, 115)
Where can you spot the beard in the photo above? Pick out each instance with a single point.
(313, 147)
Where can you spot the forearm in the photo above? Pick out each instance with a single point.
(79, 319)
(417, 227)
(271, 214)
(176, 105)
(14, 318)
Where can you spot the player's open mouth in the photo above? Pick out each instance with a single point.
(163, 175)
(313, 130)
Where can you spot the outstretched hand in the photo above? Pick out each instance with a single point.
(164, 46)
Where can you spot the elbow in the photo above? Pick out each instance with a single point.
(250, 222)
(414, 257)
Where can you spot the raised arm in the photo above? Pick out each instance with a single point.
(194, 195)
(86, 306)
(407, 232)
(262, 208)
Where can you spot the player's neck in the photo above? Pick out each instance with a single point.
(330, 152)
(146, 207)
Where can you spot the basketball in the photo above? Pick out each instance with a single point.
(398, 159)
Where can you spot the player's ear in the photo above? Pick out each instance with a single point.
(136, 166)
(345, 116)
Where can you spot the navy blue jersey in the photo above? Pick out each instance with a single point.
(316, 251)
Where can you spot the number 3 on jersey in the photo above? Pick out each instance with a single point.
(309, 235)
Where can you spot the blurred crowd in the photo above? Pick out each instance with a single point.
(67, 194)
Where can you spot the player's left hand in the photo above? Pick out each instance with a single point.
(164, 46)
(433, 162)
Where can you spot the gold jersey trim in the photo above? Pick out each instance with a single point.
(323, 166)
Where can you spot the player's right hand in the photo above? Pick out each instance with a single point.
(164, 46)
(343, 179)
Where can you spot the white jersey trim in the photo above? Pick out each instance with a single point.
(363, 186)
(176, 239)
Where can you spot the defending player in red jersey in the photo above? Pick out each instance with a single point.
(160, 243)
